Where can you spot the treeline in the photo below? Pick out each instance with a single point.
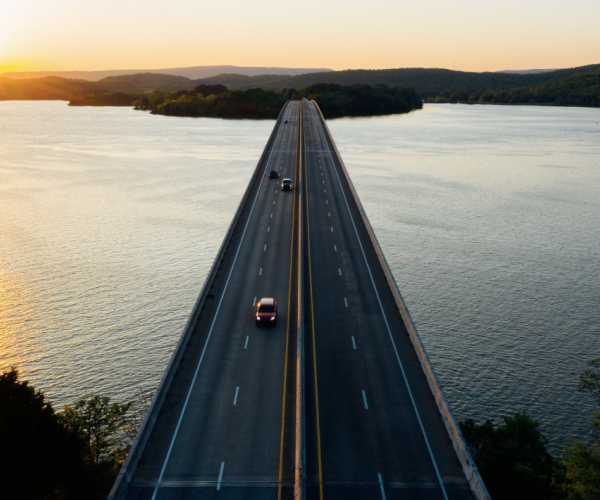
(514, 461)
(580, 90)
(54, 88)
(72, 454)
(218, 101)
(428, 82)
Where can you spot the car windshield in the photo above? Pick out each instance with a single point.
(287, 182)
(266, 309)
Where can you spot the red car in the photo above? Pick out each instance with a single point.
(266, 311)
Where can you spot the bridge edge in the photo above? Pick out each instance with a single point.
(469, 468)
(128, 469)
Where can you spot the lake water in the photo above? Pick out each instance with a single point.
(488, 216)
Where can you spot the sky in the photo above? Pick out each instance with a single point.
(66, 35)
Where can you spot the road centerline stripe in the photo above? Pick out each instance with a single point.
(287, 334)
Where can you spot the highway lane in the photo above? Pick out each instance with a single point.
(220, 432)
(373, 429)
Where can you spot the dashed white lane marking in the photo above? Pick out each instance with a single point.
(247, 339)
(332, 230)
(237, 391)
(260, 272)
(265, 249)
(327, 201)
(323, 182)
(185, 404)
(329, 213)
(324, 190)
(353, 343)
(346, 301)
(412, 399)
(269, 229)
(339, 270)
(365, 400)
(276, 191)
(273, 202)
(271, 216)
(381, 486)
(335, 247)
(254, 302)
(220, 476)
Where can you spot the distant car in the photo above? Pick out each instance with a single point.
(273, 174)
(266, 311)
(285, 121)
(286, 184)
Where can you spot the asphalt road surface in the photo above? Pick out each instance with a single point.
(220, 433)
(227, 427)
(373, 430)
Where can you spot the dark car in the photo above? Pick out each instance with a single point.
(286, 184)
(273, 174)
(266, 311)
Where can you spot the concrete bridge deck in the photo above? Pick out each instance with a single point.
(338, 400)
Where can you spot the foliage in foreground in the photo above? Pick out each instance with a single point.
(515, 464)
(73, 454)
(512, 458)
(582, 463)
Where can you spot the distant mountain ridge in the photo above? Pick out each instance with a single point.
(426, 81)
(526, 71)
(191, 72)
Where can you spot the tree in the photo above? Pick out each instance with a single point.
(582, 463)
(102, 425)
(512, 458)
(39, 458)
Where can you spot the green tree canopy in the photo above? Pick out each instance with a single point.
(39, 457)
(512, 458)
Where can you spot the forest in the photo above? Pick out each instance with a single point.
(218, 101)
(579, 90)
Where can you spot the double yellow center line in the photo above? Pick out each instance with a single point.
(312, 318)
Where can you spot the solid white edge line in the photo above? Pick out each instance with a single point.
(381, 486)
(412, 399)
(164, 467)
(365, 400)
(220, 476)
(237, 391)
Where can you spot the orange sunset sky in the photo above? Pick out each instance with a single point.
(134, 34)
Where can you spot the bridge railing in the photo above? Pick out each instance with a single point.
(125, 475)
(470, 469)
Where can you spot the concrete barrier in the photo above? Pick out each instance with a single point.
(125, 475)
(470, 469)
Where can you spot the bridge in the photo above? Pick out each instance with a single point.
(338, 400)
